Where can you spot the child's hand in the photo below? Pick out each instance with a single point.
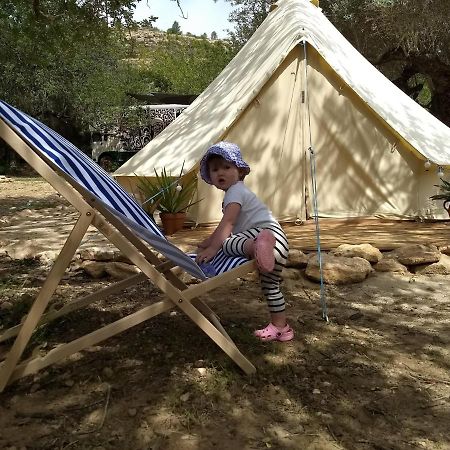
(205, 255)
(204, 244)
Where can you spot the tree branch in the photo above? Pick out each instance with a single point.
(182, 13)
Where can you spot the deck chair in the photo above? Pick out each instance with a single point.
(104, 204)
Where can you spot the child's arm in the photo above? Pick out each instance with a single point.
(223, 231)
(205, 243)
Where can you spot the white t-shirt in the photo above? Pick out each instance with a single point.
(254, 213)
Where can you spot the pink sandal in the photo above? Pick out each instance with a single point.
(264, 245)
(273, 333)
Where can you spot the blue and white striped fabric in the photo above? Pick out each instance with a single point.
(85, 172)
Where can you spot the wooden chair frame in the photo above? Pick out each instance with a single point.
(178, 294)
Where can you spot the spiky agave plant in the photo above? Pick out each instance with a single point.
(444, 194)
(167, 193)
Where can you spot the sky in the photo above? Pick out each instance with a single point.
(203, 16)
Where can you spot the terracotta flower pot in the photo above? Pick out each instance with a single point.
(172, 222)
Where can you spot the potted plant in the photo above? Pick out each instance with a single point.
(444, 195)
(170, 195)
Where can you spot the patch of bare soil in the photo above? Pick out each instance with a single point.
(375, 377)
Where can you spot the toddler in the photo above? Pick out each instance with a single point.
(247, 229)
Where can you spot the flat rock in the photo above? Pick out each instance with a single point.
(442, 267)
(390, 265)
(297, 259)
(95, 269)
(291, 274)
(338, 269)
(366, 251)
(25, 249)
(445, 249)
(120, 270)
(415, 254)
(98, 254)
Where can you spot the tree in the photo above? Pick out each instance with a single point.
(247, 16)
(175, 28)
(147, 23)
(408, 40)
(184, 65)
(213, 36)
(63, 62)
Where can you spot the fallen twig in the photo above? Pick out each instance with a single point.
(68, 445)
(426, 379)
(444, 397)
(105, 410)
(78, 408)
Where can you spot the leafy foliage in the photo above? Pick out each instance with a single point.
(184, 65)
(175, 28)
(445, 191)
(248, 15)
(167, 193)
(63, 61)
(413, 26)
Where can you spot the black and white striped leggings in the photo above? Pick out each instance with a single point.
(270, 282)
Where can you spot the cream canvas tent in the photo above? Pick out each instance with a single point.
(299, 84)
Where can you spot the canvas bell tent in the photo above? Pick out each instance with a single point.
(298, 92)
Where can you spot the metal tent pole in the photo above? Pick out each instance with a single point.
(312, 160)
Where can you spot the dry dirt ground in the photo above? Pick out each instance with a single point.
(375, 377)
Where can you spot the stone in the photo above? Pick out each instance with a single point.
(366, 251)
(48, 257)
(278, 431)
(390, 265)
(185, 277)
(445, 249)
(94, 269)
(97, 254)
(25, 249)
(120, 270)
(297, 259)
(291, 274)
(35, 387)
(415, 254)
(253, 276)
(108, 372)
(338, 270)
(185, 397)
(5, 306)
(442, 267)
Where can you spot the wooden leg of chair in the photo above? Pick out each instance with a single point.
(41, 302)
(112, 329)
(211, 315)
(78, 303)
(222, 341)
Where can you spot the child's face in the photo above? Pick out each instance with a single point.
(223, 174)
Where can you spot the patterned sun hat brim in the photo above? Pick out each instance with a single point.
(228, 151)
